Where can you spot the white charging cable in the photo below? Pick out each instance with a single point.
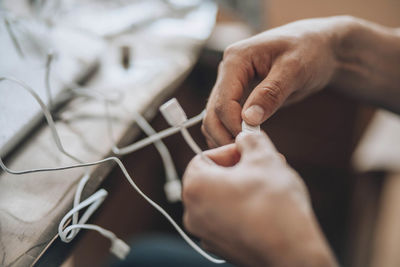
(158, 136)
(49, 61)
(70, 232)
(96, 199)
(173, 185)
(13, 38)
(176, 116)
(118, 246)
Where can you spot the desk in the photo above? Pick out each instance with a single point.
(31, 206)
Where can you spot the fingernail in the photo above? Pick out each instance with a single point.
(254, 114)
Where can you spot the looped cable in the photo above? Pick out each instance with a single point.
(118, 246)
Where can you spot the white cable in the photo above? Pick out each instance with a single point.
(193, 145)
(83, 180)
(160, 135)
(14, 39)
(94, 201)
(176, 116)
(128, 177)
(49, 61)
(75, 211)
(173, 185)
(116, 160)
(118, 247)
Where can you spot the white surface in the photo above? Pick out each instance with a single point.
(74, 55)
(379, 148)
(31, 205)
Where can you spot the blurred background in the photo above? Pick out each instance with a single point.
(347, 152)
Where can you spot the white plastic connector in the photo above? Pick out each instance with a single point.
(173, 190)
(250, 129)
(173, 112)
(119, 248)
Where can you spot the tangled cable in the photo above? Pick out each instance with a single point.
(68, 232)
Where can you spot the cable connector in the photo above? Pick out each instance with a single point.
(173, 112)
(173, 190)
(250, 129)
(119, 248)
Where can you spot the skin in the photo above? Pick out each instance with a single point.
(252, 208)
(357, 57)
(242, 212)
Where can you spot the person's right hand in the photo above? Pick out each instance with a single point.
(252, 208)
(292, 61)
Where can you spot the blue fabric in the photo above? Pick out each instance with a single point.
(164, 250)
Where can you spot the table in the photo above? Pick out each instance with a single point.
(31, 206)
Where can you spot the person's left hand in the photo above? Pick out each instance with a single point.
(252, 209)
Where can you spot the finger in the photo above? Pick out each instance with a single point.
(210, 142)
(189, 224)
(230, 115)
(254, 146)
(283, 158)
(234, 74)
(226, 156)
(208, 246)
(215, 131)
(269, 95)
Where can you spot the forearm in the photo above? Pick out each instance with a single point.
(368, 63)
(302, 243)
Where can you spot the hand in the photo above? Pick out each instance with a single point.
(252, 209)
(292, 61)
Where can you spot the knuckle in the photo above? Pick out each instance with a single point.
(273, 92)
(297, 65)
(219, 108)
(293, 62)
(231, 51)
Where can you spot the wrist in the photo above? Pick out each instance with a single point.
(345, 38)
(312, 249)
(296, 241)
(357, 45)
(316, 251)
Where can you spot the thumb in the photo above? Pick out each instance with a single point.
(225, 156)
(253, 146)
(269, 95)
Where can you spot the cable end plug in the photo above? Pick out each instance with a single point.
(173, 112)
(173, 190)
(119, 248)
